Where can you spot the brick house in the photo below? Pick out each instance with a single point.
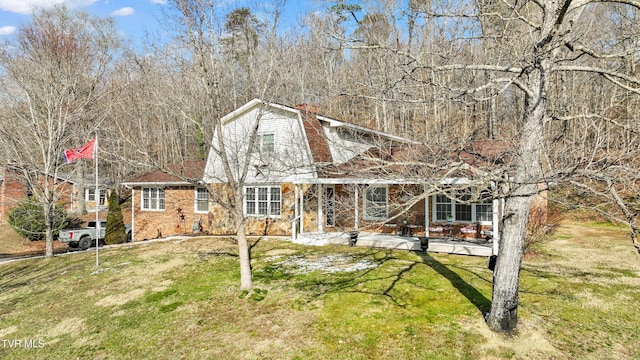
(168, 203)
(310, 174)
(15, 188)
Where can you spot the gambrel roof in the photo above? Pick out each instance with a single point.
(303, 141)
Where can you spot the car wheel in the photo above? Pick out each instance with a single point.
(85, 242)
(129, 236)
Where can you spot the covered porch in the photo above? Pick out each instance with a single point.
(449, 245)
(318, 223)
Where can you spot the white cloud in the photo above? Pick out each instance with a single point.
(159, 2)
(125, 11)
(7, 30)
(27, 6)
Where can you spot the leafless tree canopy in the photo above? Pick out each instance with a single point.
(557, 80)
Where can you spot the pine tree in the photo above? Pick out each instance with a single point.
(115, 233)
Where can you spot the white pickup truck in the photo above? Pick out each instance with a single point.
(86, 237)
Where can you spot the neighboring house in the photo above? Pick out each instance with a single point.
(85, 194)
(312, 174)
(15, 188)
(167, 203)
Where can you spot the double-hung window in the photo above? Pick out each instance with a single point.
(152, 199)
(443, 210)
(459, 208)
(262, 201)
(264, 143)
(375, 203)
(90, 195)
(463, 208)
(202, 200)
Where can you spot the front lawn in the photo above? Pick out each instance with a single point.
(180, 299)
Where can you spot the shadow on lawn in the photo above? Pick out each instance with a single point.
(467, 290)
(364, 281)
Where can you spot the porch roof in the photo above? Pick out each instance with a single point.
(371, 181)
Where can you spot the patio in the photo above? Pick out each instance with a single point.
(439, 244)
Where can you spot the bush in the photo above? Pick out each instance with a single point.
(27, 219)
(115, 233)
(542, 222)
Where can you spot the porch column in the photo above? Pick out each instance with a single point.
(495, 222)
(296, 210)
(301, 209)
(320, 205)
(356, 221)
(133, 213)
(426, 211)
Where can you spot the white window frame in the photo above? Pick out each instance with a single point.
(264, 143)
(452, 205)
(145, 195)
(91, 192)
(201, 196)
(366, 204)
(263, 201)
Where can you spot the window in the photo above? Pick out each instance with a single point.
(262, 201)
(90, 195)
(375, 203)
(463, 210)
(202, 200)
(446, 209)
(443, 208)
(152, 199)
(484, 212)
(264, 143)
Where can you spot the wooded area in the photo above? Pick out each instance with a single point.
(557, 78)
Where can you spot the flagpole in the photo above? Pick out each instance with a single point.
(97, 197)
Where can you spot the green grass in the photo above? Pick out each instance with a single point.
(181, 300)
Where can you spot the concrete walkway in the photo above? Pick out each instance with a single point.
(447, 245)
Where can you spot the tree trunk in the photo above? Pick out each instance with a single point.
(244, 253)
(49, 215)
(503, 316)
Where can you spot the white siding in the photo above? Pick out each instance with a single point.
(343, 146)
(289, 160)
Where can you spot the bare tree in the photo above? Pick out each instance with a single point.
(54, 91)
(182, 85)
(527, 49)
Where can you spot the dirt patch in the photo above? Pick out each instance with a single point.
(6, 331)
(277, 252)
(265, 336)
(121, 299)
(162, 286)
(71, 326)
(528, 343)
(159, 268)
(326, 264)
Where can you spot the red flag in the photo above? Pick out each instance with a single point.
(85, 152)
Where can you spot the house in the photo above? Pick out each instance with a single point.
(169, 202)
(14, 188)
(308, 174)
(314, 174)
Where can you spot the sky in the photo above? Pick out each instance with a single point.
(133, 17)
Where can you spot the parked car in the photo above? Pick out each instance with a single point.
(86, 237)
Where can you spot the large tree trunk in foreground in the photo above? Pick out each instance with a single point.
(503, 316)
